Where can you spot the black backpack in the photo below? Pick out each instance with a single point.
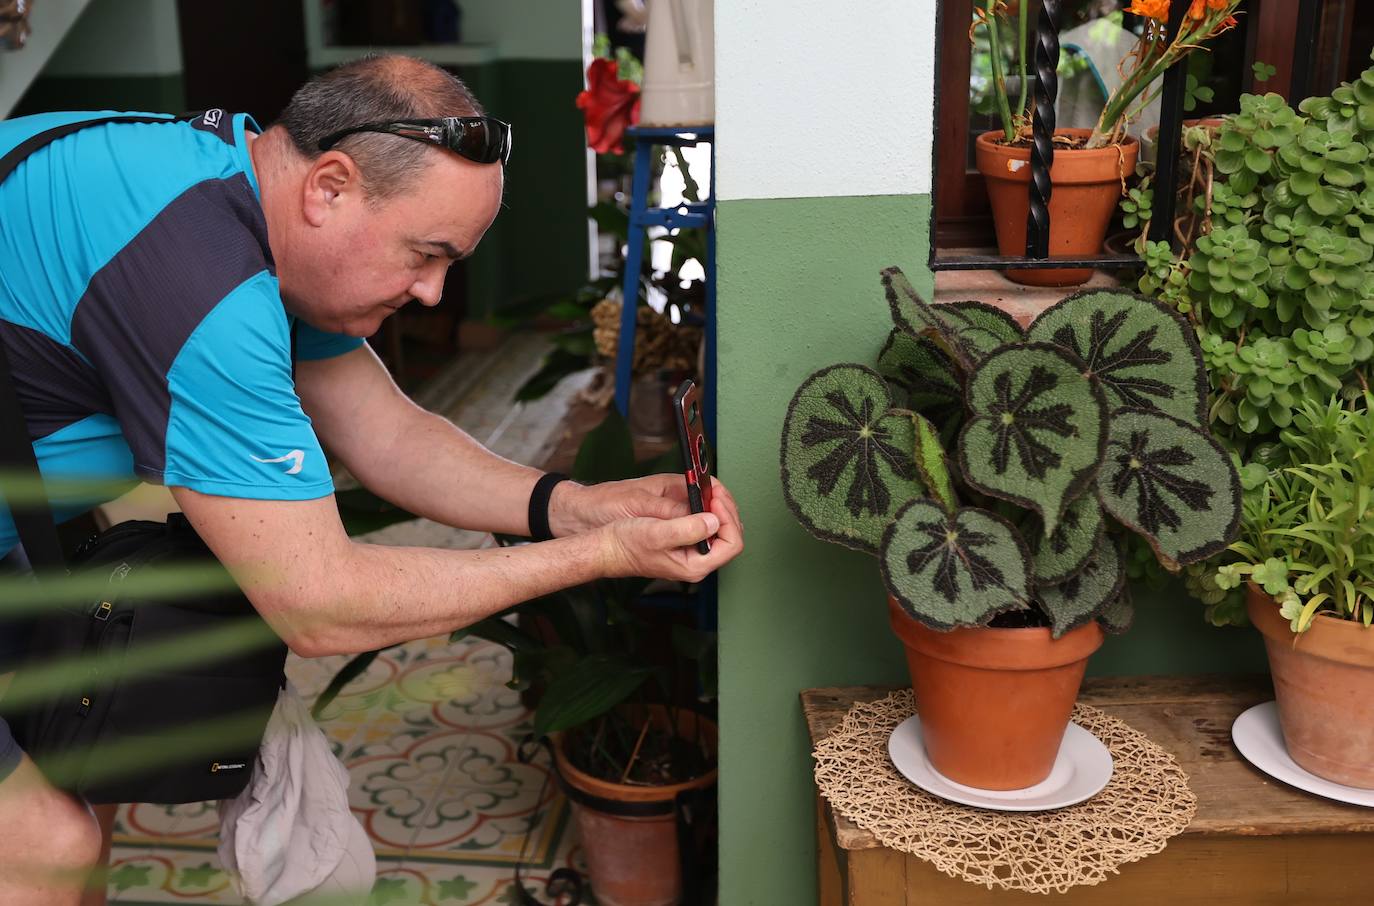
(121, 698)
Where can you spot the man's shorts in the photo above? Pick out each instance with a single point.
(10, 753)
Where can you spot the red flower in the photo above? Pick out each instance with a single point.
(610, 106)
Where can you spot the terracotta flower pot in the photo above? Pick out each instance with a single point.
(994, 703)
(1324, 683)
(1087, 187)
(634, 861)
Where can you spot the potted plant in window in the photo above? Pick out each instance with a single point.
(989, 469)
(1090, 165)
(1307, 557)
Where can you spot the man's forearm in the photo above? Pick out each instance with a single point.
(379, 596)
(432, 468)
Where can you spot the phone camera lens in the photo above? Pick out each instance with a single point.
(702, 458)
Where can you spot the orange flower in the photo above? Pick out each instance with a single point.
(1199, 8)
(1151, 9)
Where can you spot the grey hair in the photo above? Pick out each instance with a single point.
(376, 89)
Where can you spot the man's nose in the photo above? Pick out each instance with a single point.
(429, 288)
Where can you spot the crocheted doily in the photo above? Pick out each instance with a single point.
(1146, 802)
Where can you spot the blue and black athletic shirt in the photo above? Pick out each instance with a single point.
(140, 310)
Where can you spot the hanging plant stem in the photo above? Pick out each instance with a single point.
(998, 80)
(1022, 26)
(1155, 56)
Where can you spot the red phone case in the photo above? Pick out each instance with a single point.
(696, 458)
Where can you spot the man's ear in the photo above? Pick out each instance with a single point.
(332, 178)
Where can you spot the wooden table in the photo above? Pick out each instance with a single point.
(1254, 840)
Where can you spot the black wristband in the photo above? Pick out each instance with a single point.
(539, 506)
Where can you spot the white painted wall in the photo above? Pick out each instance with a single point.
(816, 98)
(119, 38)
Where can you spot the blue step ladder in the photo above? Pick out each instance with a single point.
(695, 215)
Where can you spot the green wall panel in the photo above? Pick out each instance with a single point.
(544, 247)
(152, 93)
(798, 289)
(538, 245)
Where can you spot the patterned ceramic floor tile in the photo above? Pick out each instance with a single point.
(166, 876)
(422, 884)
(429, 735)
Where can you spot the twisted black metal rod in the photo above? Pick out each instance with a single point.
(1042, 129)
(1170, 128)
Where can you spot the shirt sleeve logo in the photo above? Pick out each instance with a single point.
(295, 457)
(211, 117)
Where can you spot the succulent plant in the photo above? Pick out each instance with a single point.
(980, 462)
(1280, 282)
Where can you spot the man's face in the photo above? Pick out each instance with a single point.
(362, 261)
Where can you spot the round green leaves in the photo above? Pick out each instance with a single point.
(1171, 483)
(1037, 430)
(847, 457)
(954, 569)
(1143, 354)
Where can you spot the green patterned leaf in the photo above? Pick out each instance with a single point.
(933, 465)
(1037, 429)
(1071, 546)
(919, 367)
(910, 312)
(978, 327)
(1172, 483)
(1117, 616)
(954, 569)
(847, 457)
(1078, 599)
(1144, 354)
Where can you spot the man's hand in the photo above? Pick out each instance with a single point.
(666, 548)
(575, 508)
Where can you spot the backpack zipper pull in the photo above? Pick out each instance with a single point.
(104, 607)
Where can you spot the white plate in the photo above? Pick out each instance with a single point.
(1258, 736)
(1081, 770)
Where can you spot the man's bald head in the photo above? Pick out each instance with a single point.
(376, 89)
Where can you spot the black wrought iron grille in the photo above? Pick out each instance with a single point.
(1046, 63)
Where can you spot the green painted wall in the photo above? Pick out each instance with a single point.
(798, 289)
(539, 240)
(153, 93)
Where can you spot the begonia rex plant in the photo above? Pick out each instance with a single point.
(983, 464)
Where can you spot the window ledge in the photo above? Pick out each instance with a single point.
(1024, 303)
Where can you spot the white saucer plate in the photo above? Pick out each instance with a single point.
(1258, 736)
(1081, 770)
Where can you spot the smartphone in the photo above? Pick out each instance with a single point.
(696, 458)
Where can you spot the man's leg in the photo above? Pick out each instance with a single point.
(96, 887)
(49, 840)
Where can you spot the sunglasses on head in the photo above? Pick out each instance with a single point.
(483, 139)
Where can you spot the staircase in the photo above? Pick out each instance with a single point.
(50, 21)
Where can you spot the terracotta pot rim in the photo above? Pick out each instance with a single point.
(625, 792)
(1330, 638)
(986, 140)
(994, 647)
